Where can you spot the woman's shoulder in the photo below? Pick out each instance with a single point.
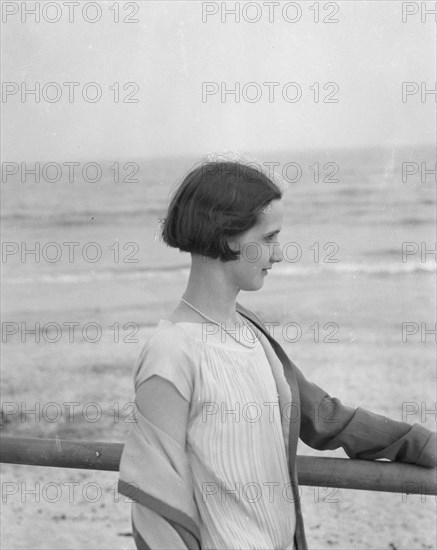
(167, 332)
(170, 354)
(184, 314)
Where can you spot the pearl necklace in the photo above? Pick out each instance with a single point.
(251, 346)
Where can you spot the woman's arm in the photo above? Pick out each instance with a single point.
(328, 424)
(325, 423)
(163, 406)
(161, 403)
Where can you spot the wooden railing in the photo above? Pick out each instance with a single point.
(367, 475)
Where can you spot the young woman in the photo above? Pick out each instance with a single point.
(210, 463)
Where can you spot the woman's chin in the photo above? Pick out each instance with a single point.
(256, 284)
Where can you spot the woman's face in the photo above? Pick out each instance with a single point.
(259, 247)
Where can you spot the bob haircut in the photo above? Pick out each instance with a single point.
(214, 203)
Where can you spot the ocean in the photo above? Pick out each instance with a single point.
(359, 203)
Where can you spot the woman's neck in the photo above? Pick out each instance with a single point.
(209, 291)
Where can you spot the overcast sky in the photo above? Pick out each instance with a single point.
(171, 52)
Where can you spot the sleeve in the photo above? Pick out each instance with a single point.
(328, 424)
(170, 355)
(325, 423)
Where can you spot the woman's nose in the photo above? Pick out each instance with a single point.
(277, 254)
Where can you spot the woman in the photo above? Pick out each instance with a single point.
(211, 462)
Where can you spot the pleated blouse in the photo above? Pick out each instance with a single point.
(235, 443)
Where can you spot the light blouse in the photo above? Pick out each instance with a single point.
(235, 445)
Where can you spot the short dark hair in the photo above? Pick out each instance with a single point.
(215, 202)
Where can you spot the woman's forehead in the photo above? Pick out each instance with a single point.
(271, 218)
(274, 210)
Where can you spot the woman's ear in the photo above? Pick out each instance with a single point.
(234, 243)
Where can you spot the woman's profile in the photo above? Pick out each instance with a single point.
(211, 461)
